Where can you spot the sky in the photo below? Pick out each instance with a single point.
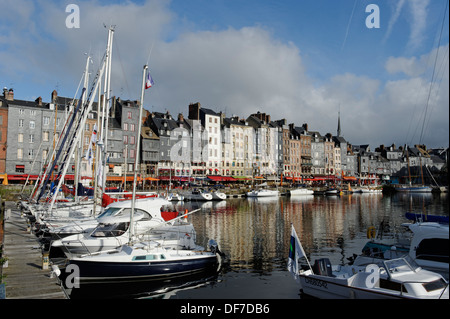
(302, 60)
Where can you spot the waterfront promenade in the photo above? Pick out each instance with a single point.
(24, 277)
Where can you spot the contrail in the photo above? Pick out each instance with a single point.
(348, 25)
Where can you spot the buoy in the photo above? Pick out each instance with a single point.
(371, 232)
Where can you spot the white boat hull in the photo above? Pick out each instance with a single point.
(263, 193)
(301, 191)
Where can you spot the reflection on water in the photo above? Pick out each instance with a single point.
(254, 233)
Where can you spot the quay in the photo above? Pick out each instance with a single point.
(24, 276)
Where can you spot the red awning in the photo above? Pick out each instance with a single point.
(217, 178)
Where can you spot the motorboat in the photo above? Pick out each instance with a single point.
(421, 217)
(153, 206)
(398, 278)
(332, 191)
(217, 195)
(301, 191)
(370, 190)
(144, 260)
(198, 195)
(175, 197)
(263, 192)
(427, 243)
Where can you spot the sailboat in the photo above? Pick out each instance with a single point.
(46, 210)
(144, 259)
(413, 188)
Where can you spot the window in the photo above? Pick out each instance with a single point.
(132, 127)
(33, 112)
(125, 126)
(129, 115)
(21, 123)
(132, 153)
(20, 138)
(19, 153)
(20, 168)
(433, 249)
(132, 139)
(45, 136)
(31, 154)
(32, 125)
(125, 139)
(31, 138)
(46, 120)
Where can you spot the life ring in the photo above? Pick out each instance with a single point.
(371, 232)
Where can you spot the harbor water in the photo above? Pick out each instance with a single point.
(254, 234)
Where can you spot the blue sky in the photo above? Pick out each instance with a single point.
(301, 60)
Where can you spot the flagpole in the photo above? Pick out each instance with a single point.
(293, 232)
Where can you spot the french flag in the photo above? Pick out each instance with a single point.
(149, 83)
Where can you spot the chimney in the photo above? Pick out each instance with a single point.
(194, 111)
(10, 95)
(180, 117)
(5, 92)
(54, 96)
(39, 101)
(305, 126)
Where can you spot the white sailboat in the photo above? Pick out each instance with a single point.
(143, 259)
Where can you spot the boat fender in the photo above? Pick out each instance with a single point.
(185, 213)
(371, 232)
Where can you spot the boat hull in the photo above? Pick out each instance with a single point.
(294, 192)
(93, 271)
(424, 189)
(323, 287)
(262, 194)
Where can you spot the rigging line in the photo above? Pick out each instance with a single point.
(421, 88)
(444, 60)
(434, 70)
(115, 44)
(348, 25)
(150, 53)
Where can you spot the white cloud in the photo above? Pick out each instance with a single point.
(238, 71)
(418, 9)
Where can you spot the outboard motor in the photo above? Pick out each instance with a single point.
(214, 247)
(323, 267)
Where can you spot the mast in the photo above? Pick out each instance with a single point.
(138, 145)
(79, 151)
(106, 106)
(409, 170)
